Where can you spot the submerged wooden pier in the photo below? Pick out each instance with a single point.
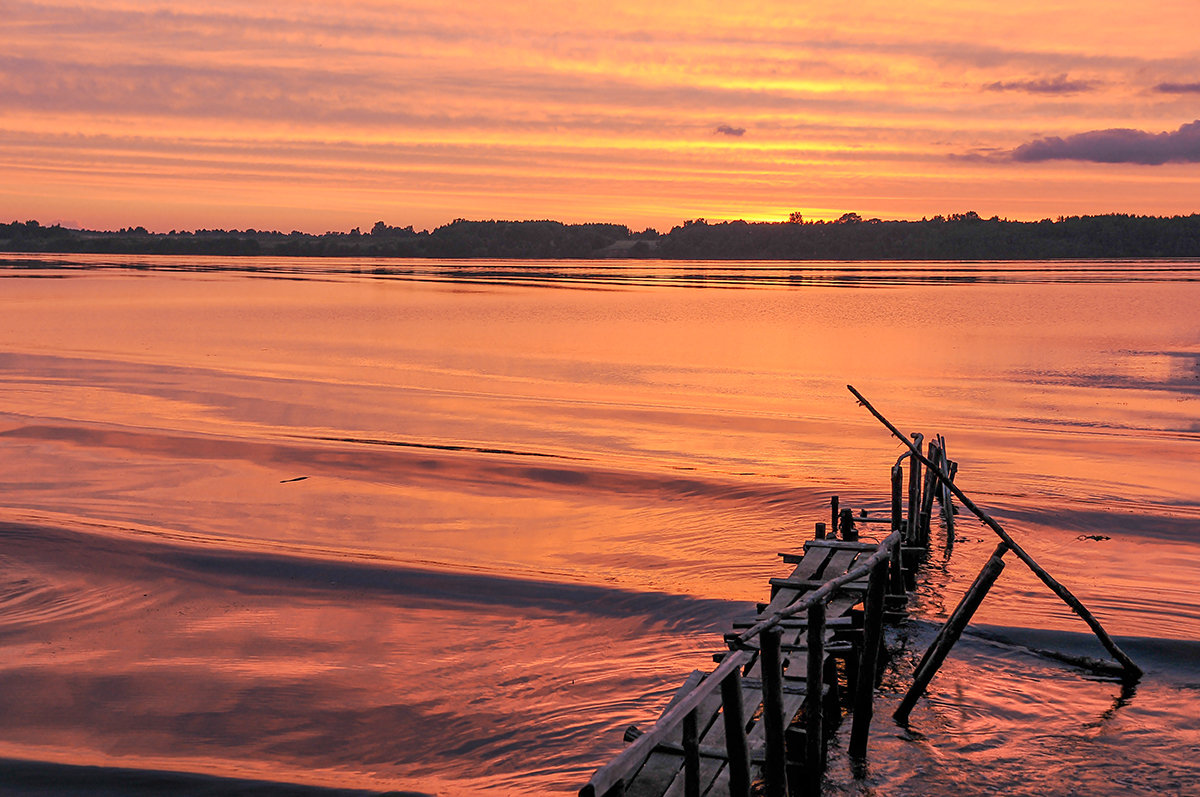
(761, 720)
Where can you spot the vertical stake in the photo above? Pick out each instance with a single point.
(820, 532)
(833, 515)
(846, 525)
(691, 755)
(868, 666)
(774, 723)
(911, 535)
(897, 480)
(814, 737)
(948, 499)
(931, 485)
(736, 745)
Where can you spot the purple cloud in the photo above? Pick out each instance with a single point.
(1117, 146)
(727, 130)
(1055, 85)
(1178, 88)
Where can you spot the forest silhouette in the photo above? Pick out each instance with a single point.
(964, 236)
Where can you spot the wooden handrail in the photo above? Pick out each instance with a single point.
(632, 757)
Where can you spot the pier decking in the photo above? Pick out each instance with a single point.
(761, 720)
(814, 630)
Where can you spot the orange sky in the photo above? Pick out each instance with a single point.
(316, 116)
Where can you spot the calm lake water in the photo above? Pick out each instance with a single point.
(448, 528)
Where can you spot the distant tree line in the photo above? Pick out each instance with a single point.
(963, 236)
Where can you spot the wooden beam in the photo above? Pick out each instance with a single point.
(1132, 671)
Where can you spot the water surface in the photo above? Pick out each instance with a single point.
(449, 527)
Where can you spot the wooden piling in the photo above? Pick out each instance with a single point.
(691, 755)
(774, 722)
(868, 667)
(912, 535)
(814, 719)
(846, 525)
(932, 661)
(897, 481)
(736, 745)
(929, 489)
(820, 532)
(947, 497)
(833, 514)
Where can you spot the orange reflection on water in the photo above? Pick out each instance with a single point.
(447, 520)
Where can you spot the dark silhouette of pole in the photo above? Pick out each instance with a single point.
(932, 661)
(1132, 671)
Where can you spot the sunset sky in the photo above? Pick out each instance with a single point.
(318, 116)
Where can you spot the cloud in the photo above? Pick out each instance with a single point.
(1055, 85)
(1117, 146)
(727, 130)
(1178, 88)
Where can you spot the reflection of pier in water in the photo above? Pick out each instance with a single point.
(754, 725)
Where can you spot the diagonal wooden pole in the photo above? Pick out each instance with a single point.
(1132, 671)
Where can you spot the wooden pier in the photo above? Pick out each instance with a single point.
(760, 721)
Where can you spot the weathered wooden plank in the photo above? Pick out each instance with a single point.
(664, 762)
(841, 562)
(814, 583)
(807, 568)
(845, 545)
(798, 622)
(815, 561)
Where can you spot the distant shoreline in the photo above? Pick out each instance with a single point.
(957, 237)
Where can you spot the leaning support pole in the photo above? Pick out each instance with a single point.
(1132, 671)
(932, 661)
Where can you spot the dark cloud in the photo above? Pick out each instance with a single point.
(1178, 88)
(1055, 85)
(727, 130)
(1117, 146)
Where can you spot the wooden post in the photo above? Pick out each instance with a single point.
(897, 522)
(912, 535)
(951, 631)
(927, 494)
(820, 532)
(833, 515)
(1132, 671)
(947, 499)
(896, 569)
(897, 480)
(774, 723)
(846, 525)
(691, 755)
(868, 666)
(814, 737)
(736, 744)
